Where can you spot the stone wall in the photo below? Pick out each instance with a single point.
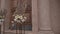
(45, 16)
(55, 15)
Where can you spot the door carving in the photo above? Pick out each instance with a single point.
(20, 16)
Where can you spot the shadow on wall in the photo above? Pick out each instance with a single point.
(55, 15)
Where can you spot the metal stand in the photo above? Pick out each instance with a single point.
(20, 30)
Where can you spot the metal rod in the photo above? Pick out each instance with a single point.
(20, 28)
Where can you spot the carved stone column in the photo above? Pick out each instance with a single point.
(55, 15)
(34, 17)
(8, 14)
(1, 7)
(44, 17)
(0, 4)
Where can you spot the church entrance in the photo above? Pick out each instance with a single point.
(20, 19)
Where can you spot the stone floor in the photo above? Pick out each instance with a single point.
(46, 32)
(14, 32)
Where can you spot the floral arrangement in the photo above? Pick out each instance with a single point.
(20, 18)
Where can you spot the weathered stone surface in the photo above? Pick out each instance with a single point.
(46, 32)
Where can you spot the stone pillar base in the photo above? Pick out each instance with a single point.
(46, 32)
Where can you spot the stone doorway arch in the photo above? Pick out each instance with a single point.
(34, 17)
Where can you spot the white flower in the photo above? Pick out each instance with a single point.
(15, 19)
(20, 18)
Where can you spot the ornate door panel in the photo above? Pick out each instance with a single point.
(20, 17)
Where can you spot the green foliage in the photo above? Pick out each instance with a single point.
(1, 17)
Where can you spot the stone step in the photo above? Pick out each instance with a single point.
(46, 32)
